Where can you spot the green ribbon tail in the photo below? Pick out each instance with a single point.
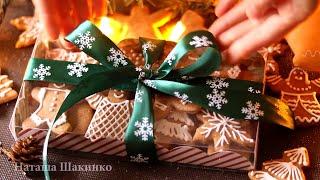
(139, 137)
(236, 101)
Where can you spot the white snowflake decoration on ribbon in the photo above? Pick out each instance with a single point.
(41, 72)
(117, 57)
(200, 41)
(144, 129)
(142, 74)
(252, 111)
(138, 97)
(77, 69)
(148, 46)
(139, 159)
(170, 59)
(254, 91)
(184, 97)
(149, 83)
(226, 127)
(85, 40)
(217, 97)
(217, 83)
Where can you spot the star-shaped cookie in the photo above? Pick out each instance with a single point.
(30, 27)
(142, 23)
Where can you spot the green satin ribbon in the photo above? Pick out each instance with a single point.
(233, 98)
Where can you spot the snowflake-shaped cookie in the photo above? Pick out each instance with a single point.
(41, 72)
(252, 111)
(148, 46)
(85, 40)
(200, 41)
(117, 57)
(77, 69)
(144, 129)
(221, 129)
(139, 159)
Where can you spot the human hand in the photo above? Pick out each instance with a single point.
(247, 26)
(59, 17)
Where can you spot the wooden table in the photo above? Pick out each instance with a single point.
(273, 140)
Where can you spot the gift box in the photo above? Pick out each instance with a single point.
(173, 102)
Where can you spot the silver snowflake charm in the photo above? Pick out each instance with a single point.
(217, 83)
(228, 128)
(85, 40)
(138, 97)
(77, 69)
(41, 72)
(117, 58)
(252, 111)
(254, 91)
(184, 98)
(217, 98)
(144, 129)
(200, 41)
(149, 83)
(139, 159)
(148, 46)
(170, 58)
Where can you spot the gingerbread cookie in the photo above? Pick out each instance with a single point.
(50, 99)
(289, 167)
(6, 92)
(219, 131)
(62, 54)
(141, 23)
(30, 27)
(300, 93)
(111, 118)
(192, 21)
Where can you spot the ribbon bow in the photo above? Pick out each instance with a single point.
(234, 98)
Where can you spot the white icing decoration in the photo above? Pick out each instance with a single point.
(41, 95)
(6, 86)
(226, 127)
(173, 130)
(283, 170)
(298, 155)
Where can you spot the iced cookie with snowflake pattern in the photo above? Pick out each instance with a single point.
(218, 132)
(6, 92)
(300, 93)
(289, 167)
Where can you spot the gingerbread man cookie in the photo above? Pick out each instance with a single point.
(6, 92)
(50, 99)
(30, 27)
(219, 131)
(300, 93)
(289, 167)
